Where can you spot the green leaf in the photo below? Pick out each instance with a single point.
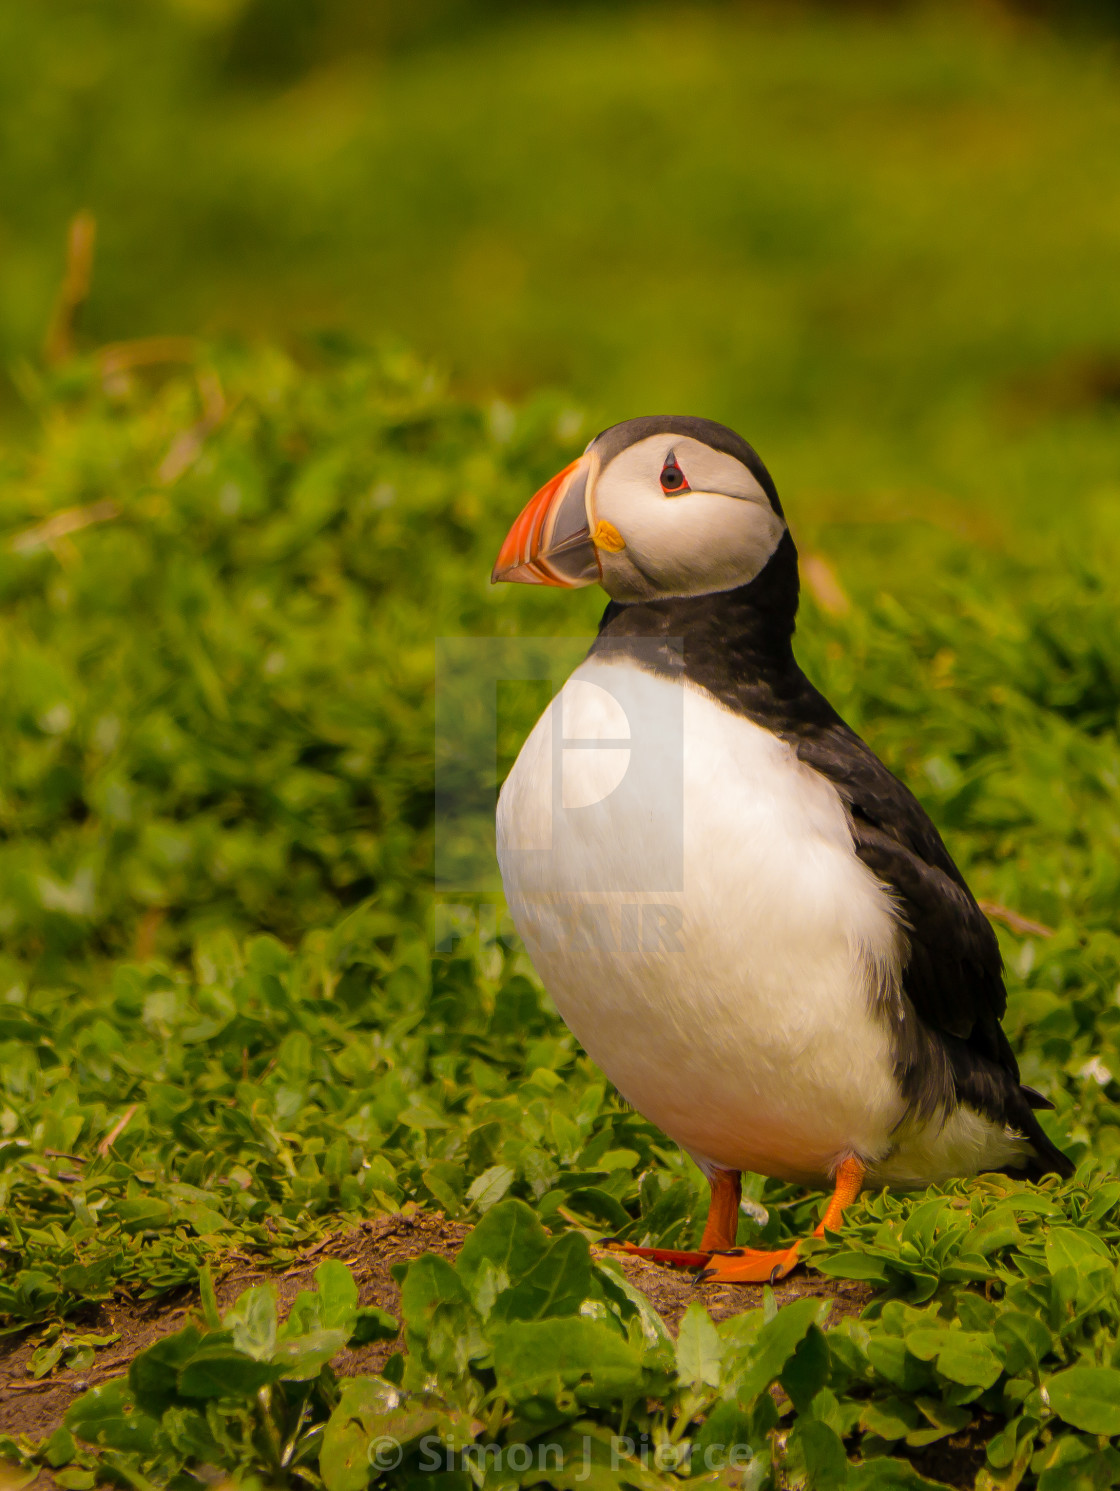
(153, 1376)
(924, 1220)
(1013, 1441)
(600, 1206)
(301, 1357)
(822, 1452)
(219, 1370)
(807, 1370)
(545, 1358)
(927, 1340)
(778, 1340)
(1024, 1339)
(590, 1458)
(338, 1295)
(699, 1348)
(975, 1312)
(267, 955)
(142, 1214)
(429, 1283)
(203, 1220)
(210, 1310)
(1106, 1198)
(886, 1474)
(890, 1418)
(1088, 1398)
(304, 1314)
(945, 1418)
(60, 1448)
(1068, 1247)
(44, 1358)
(726, 1424)
(344, 1456)
(509, 1237)
(490, 1187)
(369, 1422)
(74, 1479)
(890, 1358)
(851, 1265)
(965, 1357)
(968, 1359)
(108, 1416)
(557, 1284)
(442, 1328)
(251, 1320)
(445, 1182)
(645, 1328)
(989, 1238)
(1072, 1464)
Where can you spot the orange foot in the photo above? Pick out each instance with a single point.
(671, 1256)
(750, 1266)
(719, 1230)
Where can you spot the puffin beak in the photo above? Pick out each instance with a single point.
(550, 543)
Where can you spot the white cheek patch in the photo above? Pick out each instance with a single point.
(691, 545)
(719, 542)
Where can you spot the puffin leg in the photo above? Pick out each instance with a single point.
(719, 1229)
(755, 1266)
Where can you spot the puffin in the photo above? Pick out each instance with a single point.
(750, 925)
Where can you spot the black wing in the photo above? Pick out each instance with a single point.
(953, 975)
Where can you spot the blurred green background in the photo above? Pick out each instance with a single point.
(882, 241)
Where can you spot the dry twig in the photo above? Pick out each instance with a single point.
(80, 240)
(117, 1130)
(119, 358)
(1012, 919)
(824, 586)
(60, 525)
(187, 445)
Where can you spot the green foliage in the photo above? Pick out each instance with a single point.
(239, 1393)
(232, 1017)
(528, 1342)
(319, 1087)
(525, 1342)
(217, 697)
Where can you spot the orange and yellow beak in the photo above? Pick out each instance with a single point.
(550, 543)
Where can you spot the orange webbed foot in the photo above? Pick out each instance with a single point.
(720, 1261)
(750, 1266)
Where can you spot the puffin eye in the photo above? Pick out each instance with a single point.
(672, 477)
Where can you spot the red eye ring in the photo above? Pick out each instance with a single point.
(673, 479)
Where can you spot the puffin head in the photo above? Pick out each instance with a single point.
(662, 506)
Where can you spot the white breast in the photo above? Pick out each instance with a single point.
(690, 897)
